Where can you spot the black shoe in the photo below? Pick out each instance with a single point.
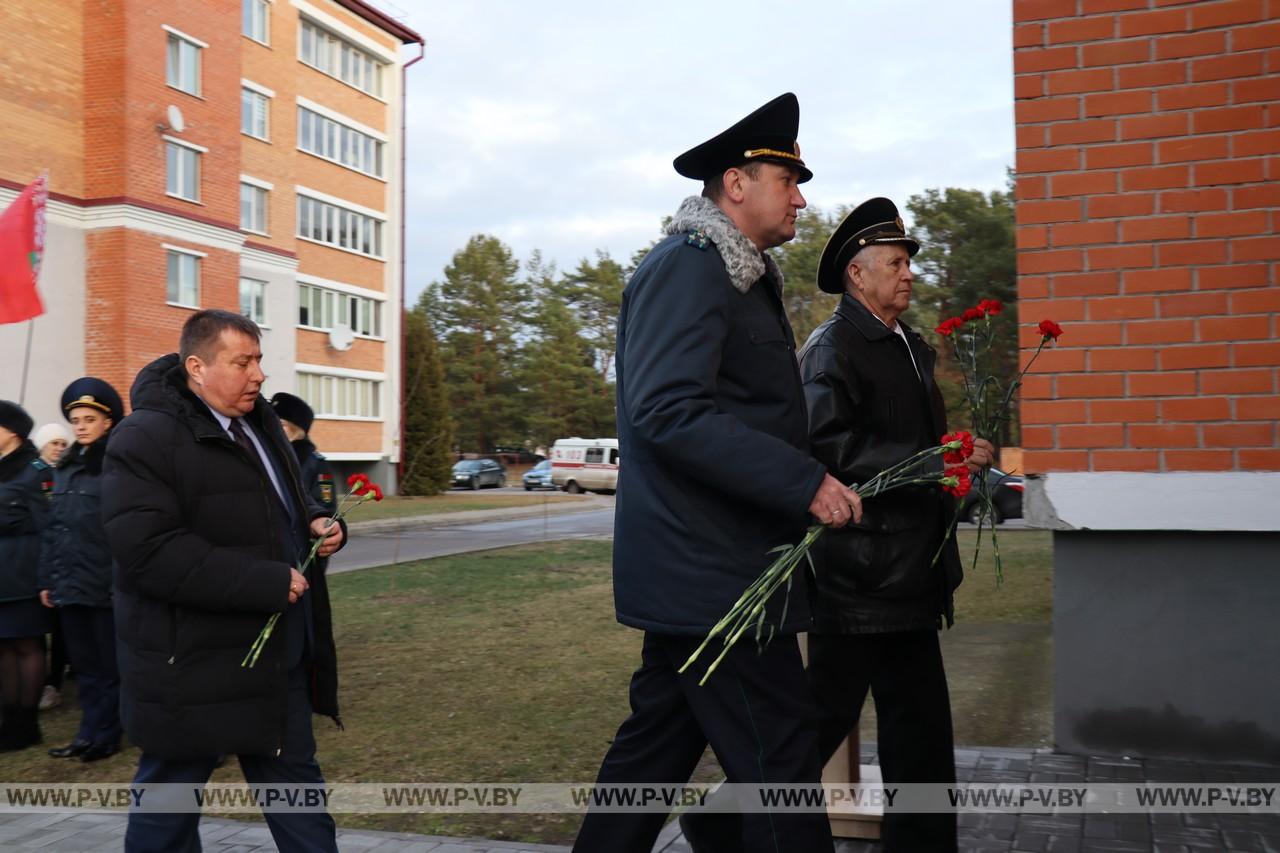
(99, 751)
(71, 750)
(20, 728)
(712, 832)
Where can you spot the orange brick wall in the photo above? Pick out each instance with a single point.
(1148, 208)
(43, 94)
(128, 323)
(347, 267)
(348, 436)
(276, 160)
(212, 120)
(313, 348)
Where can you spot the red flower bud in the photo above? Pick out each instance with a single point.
(963, 483)
(1050, 329)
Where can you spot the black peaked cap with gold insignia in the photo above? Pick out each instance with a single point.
(93, 393)
(874, 221)
(768, 134)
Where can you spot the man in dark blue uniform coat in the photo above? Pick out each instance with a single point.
(712, 425)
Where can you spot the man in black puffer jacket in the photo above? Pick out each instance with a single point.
(209, 527)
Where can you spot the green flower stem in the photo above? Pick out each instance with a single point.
(260, 642)
(750, 608)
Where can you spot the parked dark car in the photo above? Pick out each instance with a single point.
(539, 477)
(1006, 494)
(474, 473)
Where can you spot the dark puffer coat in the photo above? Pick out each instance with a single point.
(868, 410)
(200, 567)
(24, 512)
(75, 560)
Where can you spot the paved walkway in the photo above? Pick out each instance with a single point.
(979, 833)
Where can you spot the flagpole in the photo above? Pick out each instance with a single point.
(26, 362)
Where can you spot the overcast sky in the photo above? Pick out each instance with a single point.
(552, 125)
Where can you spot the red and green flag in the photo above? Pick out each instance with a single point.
(21, 245)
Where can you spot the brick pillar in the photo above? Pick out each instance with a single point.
(1148, 188)
(1148, 200)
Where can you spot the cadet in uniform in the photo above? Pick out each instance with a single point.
(313, 469)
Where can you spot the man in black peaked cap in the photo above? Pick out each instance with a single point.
(880, 596)
(712, 423)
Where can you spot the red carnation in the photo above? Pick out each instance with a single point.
(963, 483)
(358, 483)
(971, 314)
(949, 325)
(376, 491)
(1050, 329)
(991, 307)
(955, 457)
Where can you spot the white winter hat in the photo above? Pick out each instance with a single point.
(49, 432)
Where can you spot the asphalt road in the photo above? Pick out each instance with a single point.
(420, 542)
(417, 541)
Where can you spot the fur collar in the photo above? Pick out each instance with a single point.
(14, 463)
(744, 263)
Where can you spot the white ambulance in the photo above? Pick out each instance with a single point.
(585, 465)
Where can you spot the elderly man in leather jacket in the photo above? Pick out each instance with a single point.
(880, 596)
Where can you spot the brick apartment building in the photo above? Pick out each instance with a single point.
(209, 153)
(1148, 206)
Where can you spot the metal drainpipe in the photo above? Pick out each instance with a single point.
(404, 123)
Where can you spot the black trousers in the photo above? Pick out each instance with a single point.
(91, 643)
(293, 832)
(755, 711)
(904, 673)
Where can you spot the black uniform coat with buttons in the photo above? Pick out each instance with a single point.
(24, 512)
(869, 410)
(194, 525)
(715, 469)
(75, 560)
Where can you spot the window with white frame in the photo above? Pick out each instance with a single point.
(255, 108)
(338, 226)
(253, 208)
(182, 66)
(183, 282)
(183, 176)
(340, 396)
(253, 300)
(332, 140)
(255, 20)
(339, 58)
(322, 308)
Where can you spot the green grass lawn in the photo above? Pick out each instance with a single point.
(458, 501)
(508, 666)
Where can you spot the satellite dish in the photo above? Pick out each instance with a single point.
(341, 337)
(174, 116)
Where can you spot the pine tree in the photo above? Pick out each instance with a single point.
(428, 430)
(482, 308)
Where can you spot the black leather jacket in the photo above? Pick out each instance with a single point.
(869, 408)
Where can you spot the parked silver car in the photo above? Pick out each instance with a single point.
(539, 477)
